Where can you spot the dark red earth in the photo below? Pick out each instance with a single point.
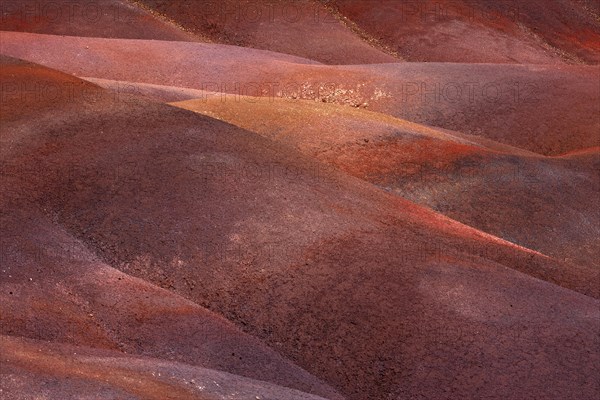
(528, 106)
(304, 28)
(106, 18)
(482, 31)
(244, 220)
(482, 183)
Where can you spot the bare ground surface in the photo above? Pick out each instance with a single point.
(320, 213)
(545, 109)
(481, 183)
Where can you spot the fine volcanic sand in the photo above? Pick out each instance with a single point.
(151, 252)
(387, 298)
(484, 31)
(545, 109)
(481, 183)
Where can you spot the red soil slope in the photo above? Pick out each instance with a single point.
(302, 27)
(369, 292)
(159, 93)
(546, 109)
(52, 288)
(61, 371)
(483, 184)
(484, 31)
(105, 18)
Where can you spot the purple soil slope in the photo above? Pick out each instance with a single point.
(53, 288)
(105, 18)
(74, 372)
(483, 184)
(483, 31)
(545, 109)
(303, 28)
(371, 293)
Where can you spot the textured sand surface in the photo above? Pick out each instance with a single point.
(309, 200)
